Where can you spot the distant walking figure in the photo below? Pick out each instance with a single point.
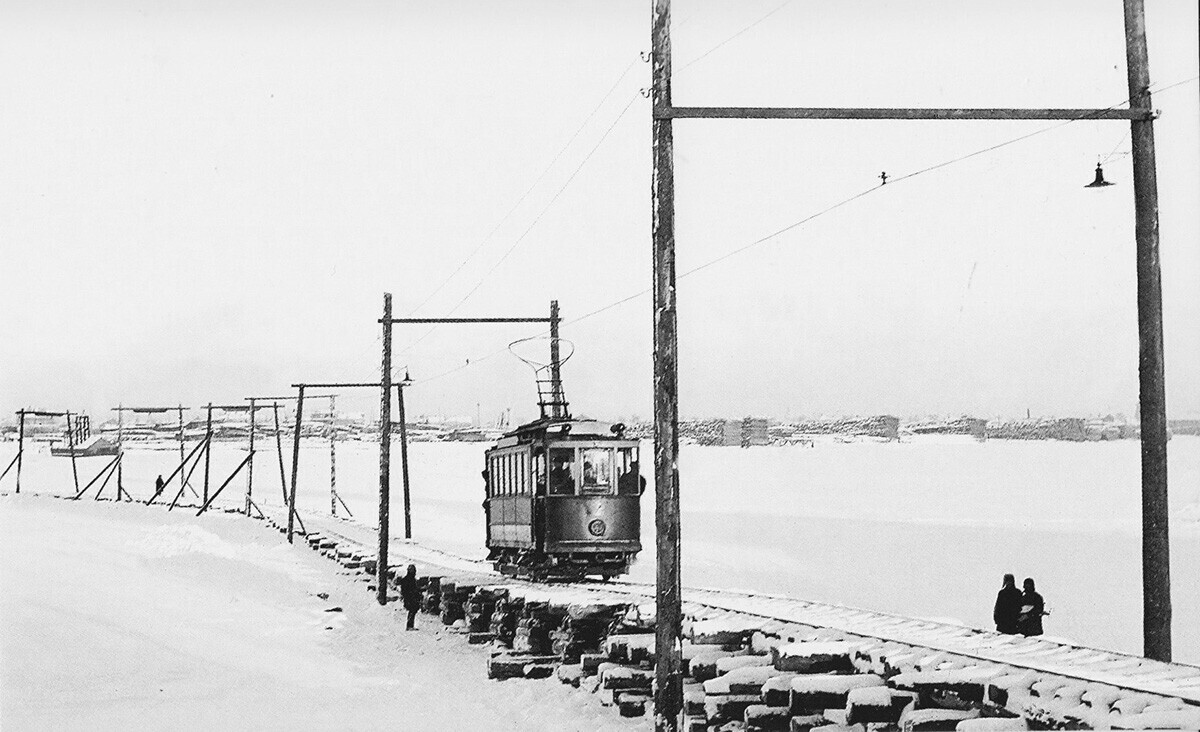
(410, 595)
(158, 485)
(1032, 610)
(1008, 606)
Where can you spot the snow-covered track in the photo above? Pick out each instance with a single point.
(775, 614)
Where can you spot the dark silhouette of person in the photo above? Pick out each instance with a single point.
(1008, 606)
(632, 482)
(562, 483)
(411, 595)
(1029, 622)
(158, 485)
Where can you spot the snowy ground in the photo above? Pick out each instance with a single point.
(924, 528)
(118, 617)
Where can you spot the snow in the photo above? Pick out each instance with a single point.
(132, 617)
(833, 683)
(923, 529)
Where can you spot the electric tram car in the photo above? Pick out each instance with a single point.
(563, 500)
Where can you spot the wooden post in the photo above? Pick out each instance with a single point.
(404, 458)
(20, 446)
(250, 460)
(1152, 400)
(120, 450)
(208, 450)
(283, 484)
(385, 449)
(557, 409)
(668, 697)
(71, 444)
(181, 439)
(332, 457)
(291, 500)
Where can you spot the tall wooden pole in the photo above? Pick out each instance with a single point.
(181, 440)
(556, 390)
(207, 450)
(291, 499)
(332, 457)
(404, 458)
(385, 448)
(1152, 400)
(120, 449)
(250, 460)
(283, 483)
(668, 697)
(71, 443)
(20, 446)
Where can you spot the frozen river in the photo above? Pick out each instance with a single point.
(923, 529)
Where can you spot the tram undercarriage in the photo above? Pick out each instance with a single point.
(537, 566)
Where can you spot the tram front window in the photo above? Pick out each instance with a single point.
(597, 471)
(562, 482)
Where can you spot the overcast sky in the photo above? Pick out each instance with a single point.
(202, 201)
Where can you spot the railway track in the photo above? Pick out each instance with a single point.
(775, 614)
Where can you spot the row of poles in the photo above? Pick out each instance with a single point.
(1156, 590)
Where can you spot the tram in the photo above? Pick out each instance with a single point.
(563, 500)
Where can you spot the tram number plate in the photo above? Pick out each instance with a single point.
(597, 527)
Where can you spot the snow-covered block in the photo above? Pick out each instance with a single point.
(761, 718)
(966, 684)
(590, 662)
(777, 691)
(632, 705)
(630, 648)
(1131, 703)
(838, 728)
(921, 720)
(992, 724)
(1100, 696)
(813, 692)
(1188, 718)
(751, 679)
(1013, 687)
(539, 670)
(806, 722)
(703, 666)
(727, 707)
(729, 633)
(1165, 704)
(814, 657)
(511, 665)
(693, 703)
(729, 663)
(1047, 685)
(876, 704)
(624, 677)
(570, 673)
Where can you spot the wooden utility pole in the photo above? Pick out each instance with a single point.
(291, 499)
(283, 484)
(20, 446)
(668, 670)
(207, 451)
(557, 410)
(333, 497)
(404, 455)
(120, 449)
(385, 448)
(1152, 399)
(71, 444)
(250, 460)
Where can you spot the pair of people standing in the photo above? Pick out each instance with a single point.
(1016, 611)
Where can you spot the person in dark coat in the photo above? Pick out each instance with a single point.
(1008, 606)
(158, 486)
(411, 595)
(1029, 622)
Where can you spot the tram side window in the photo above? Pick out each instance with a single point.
(597, 471)
(562, 463)
(508, 474)
(490, 477)
(539, 472)
(629, 480)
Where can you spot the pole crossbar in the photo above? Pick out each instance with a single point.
(334, 385)
(39, 413)
(900, 113)
(467, 320)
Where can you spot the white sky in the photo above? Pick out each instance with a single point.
(200, 201)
